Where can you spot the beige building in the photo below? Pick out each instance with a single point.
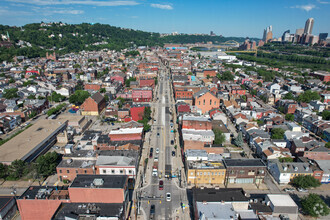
(205, 174)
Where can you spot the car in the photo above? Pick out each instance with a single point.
(173, 153)
(152, 211)
(289, 189)
(158, 134)
(168, 197)
(157, 150)
(302, 190)
(161, 184)
(150, 155)
(156, 158)
(172, 142)
(151, 150)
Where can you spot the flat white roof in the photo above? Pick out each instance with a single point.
(281, 200)
(127, 131)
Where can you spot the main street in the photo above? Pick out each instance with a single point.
(160, 137)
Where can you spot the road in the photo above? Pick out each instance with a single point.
(160, 137)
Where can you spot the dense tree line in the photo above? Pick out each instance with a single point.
(77, 37)
(297, 49)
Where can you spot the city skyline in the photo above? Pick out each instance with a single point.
(227, 18)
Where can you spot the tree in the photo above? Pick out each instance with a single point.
(314, 206)
(102, 90)
(79, 97)
(327, 145)
(289, 96)
(326, 115)
(239, 140)
(285, 159)
(31, 96)
(3, 170)
(308, 96)
(259, 84)
(17, 169)
(226, 76)
(129, 80)
(220, 137)
(121, 102)
(277, 133)
(55, 97)
(10, 93)
(33, 114)
(289, 117)
(46, 164)
(303, 181)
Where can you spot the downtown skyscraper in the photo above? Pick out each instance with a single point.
(309, 26)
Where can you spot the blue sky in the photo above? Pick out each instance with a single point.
(239, 18)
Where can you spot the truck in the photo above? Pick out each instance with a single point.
(168, 171)
(155, 169)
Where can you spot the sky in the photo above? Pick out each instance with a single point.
(239, 18)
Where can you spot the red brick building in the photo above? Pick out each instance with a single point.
(93, 105)
(142, 95)
(197, 123)
(99, 189)
(70, 168)
(137, 112)
(40, 203)
(211, 73)
(119, 77)
(91, 86)
(185, 94)
(144, 82)
(126, 134)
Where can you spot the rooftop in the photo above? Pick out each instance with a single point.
(218, 195)
(106, 181)
(281, 200)
(79, 210)
(46, 192)
(215, 210)
(29, 141)
(244, 163)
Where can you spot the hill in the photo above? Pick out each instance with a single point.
(34, 40)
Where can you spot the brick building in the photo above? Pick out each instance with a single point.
(93, 105)
(245, 170)
(206, 101)
(137, 112)
(92, 86)
(126, 134)
(142, 95)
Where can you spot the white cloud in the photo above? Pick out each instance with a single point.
(323, 2)
(76, 2)
(305, 7)
(166, 7)
(73, 12)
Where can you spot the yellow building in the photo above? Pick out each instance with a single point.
(205, 174)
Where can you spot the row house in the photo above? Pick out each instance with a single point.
(144, 82)
(196, 139)
(196, 122)
(310, 149)
(283, 173)
(245, 171)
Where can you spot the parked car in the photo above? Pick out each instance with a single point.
(161, 184)
(150, 155)
(302, 190)
(157, 150)
(158, 134)
(289, 189)
(172, 142)
(168, 197)
(173, 153)
(152, 211)
(156, 158)
(151, 150)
